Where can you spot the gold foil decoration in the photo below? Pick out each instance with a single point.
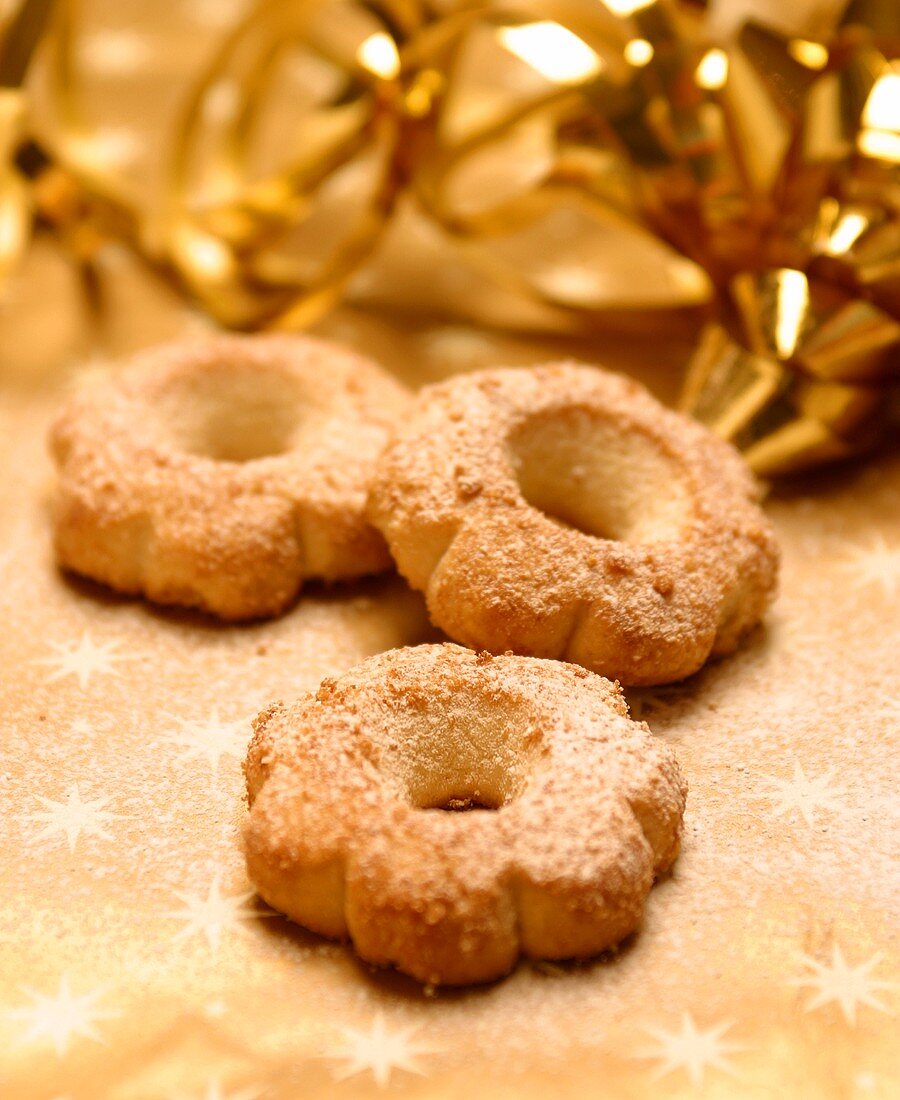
(15, 203)
(20, 37)
(768, 161)
(254, 246)
(803, 365)
(796, 381)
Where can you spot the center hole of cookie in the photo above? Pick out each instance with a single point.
(458, 747)
(463, 803)
(232, 412)
(587, 472)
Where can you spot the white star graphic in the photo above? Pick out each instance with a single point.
(83, 659)
(874, 563)
(378, 1051)
(213, 914)
(81, 728)
(841, 984)
(72, 817)
(691, 1049)
(209, 740)
(62, 1017)
(806, 796)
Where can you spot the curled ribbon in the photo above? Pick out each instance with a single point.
(768, 161)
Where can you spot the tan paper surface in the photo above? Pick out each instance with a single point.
(135, 962)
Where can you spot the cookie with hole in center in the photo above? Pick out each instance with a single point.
(221, 474)
(561, 511)
(448, 811)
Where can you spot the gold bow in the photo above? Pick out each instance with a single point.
(768, 161)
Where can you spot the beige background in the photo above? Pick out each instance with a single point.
(134, 960)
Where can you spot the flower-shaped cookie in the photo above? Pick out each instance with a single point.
(222, 474)
(448, 811)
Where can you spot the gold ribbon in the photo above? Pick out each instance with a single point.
(770, 161)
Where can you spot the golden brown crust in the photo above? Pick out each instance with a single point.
(561, 511)
(221, 474)
(586, 807)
